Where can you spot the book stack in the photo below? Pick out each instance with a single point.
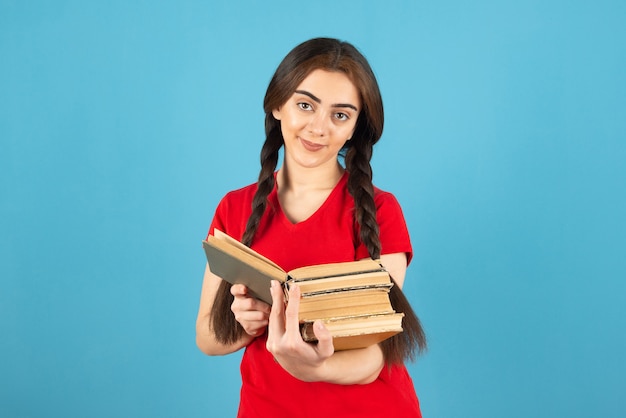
(351, 298)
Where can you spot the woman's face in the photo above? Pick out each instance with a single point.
(318, 119)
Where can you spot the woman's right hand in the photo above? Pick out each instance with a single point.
(251, 313)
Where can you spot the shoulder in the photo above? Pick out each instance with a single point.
(239, 196)
(382, 198)
(388, 209)
(233, 211)
(385, 200)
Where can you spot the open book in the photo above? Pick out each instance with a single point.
(352, 298)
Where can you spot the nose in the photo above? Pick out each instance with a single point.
(318, 124)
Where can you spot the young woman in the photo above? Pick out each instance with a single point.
(323, 105)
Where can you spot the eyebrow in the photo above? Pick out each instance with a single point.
(316, 99)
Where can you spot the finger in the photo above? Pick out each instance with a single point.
(246, 302)
(325, 345)
(292, 323)
(261, 306)
(253, 322)
(252, 304)
(238, 290)
(256, 329)
(277, 312)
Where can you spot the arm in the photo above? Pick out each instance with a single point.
(396, 265)
(251, 313)
(319, 362)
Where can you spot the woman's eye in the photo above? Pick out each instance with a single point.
(304, 106)
(341, 116)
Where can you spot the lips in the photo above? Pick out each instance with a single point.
(311, 146)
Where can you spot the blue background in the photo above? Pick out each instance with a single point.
(123, 123)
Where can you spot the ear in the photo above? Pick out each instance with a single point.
(276, 113)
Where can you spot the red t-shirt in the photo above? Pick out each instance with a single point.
(329, 235)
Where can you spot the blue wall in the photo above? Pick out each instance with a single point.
(121, 126)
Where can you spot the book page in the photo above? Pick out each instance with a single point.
(232, 241)
(335, 269)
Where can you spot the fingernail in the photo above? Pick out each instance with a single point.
(296, 290)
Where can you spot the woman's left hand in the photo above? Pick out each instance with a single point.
(304, 361)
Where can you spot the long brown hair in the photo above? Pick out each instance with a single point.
(331, 55)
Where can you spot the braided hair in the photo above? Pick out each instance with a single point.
(330, 55)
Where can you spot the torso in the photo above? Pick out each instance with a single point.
(326, 235)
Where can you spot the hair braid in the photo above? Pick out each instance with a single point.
(223, 323)
(362, 190)
(404, 345)
(269, 160)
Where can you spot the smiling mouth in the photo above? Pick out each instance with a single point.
(311, 146)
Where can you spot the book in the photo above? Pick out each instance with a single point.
(357, 331)
(351, 298)
(238, 264)
(344, 303)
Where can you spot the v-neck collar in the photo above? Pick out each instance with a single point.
(273, 198)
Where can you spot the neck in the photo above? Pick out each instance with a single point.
(302, 179)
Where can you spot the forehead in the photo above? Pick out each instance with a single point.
(331, 87)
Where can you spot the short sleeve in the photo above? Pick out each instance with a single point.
(218, 221)
(394, 234)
